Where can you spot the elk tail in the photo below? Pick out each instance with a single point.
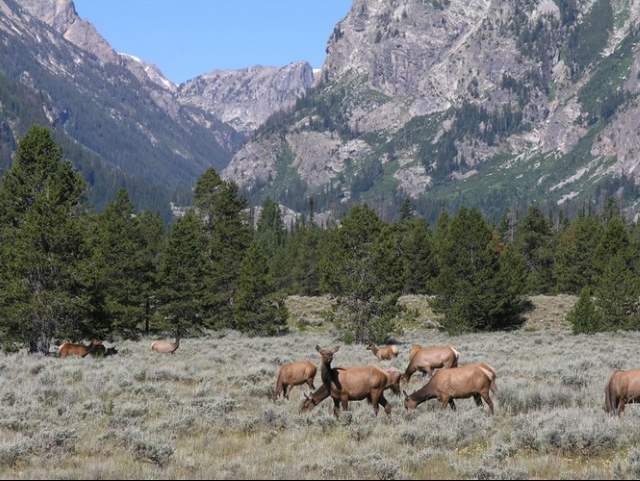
(456, 354)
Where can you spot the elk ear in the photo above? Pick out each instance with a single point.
(337, 348)
(318, 349)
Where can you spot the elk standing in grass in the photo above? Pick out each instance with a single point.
(475, 381)
(294, 374)
(166, 347)
(352, 384)
(80, 350)
(623, 388)
(385, 353)
(428, 359)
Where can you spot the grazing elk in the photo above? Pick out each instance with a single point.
(352, 384)
(80, 350)
(623, 388)
(102, 351)
(294, 374)
(385, 353)
(475, 381)
(166, 347)
(428, 359)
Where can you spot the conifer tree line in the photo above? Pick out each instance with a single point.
(68, 273)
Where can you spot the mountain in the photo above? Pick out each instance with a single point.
(450, 102)
(120, 120)
(246, 98)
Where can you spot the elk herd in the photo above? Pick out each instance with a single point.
(448, 381)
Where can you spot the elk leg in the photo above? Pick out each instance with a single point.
(345, 403)
(429, 371)
(375, 401)
(478, 399)
(336, 408)
(310, 384)
(487, 399)
(385, 404)
(452, 405)
(445, 402)
(286, 392)
(621, 406)
(408, 373)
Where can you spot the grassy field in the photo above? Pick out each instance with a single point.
(206, 413)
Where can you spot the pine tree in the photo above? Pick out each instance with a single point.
(304, 251)
(584, 317)
(534, 241)
(183, 276)
(575, 259)
(271, 235)
(229, 235)
(357, 267)
(615, 241)
(258, 308)
(474, 289)
(125, 249)
(43, 245)
(416, 250)
(617, 295)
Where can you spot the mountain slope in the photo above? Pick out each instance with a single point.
(133, 137)
(487, 103)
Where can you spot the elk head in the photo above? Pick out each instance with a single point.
(327, 354)
(409, 403)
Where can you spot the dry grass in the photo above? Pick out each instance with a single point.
(205, 414)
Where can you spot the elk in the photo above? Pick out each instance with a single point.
(102, 351)
(428, 359)
(623, 388)
(294, 374)
(385, 353)
(475, 381)
(80, 350)
(166, 347)
(352, 384)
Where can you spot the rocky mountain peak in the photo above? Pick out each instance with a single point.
(246, 98)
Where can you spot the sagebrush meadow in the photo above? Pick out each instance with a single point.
(206, 412)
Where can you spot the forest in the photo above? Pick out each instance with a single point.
(68, 272)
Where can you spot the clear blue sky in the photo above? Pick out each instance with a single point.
(187, 38)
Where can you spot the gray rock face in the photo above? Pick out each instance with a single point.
(246, 98)
(424, 98)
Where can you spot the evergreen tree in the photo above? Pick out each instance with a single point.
(407, 210)
(356, 268)
(43, 245)
(419, 263)
(271, 235)
(617, 296)
(615, 241)
(473, 288)
(575, 259)
(126, 247)
(183, 276)
(584, 317)
(229, 235)
(534, 241)
(304, 250)
(258, 309)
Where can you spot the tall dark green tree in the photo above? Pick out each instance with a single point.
(618, 295)
(183, 277)
(229, 235)
(126, 248)
(41, 200)
(585, 318)
(473, 289)
(534, 240)
(357, 269)
(415, 246)
(575, 258)
(258, 308)
(304, 249)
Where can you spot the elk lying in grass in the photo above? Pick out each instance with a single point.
(80, 350)
(428, 359)
(623, 388)
(166, 347)
(294, 374)
(385, 353)
(475, 381)
(352, 384)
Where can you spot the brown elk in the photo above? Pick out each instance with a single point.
(294, 374)
(385, 353)
(475, 381)
(623, 388)
(353, 384)
(166, 347)
(102, 351)
(80, 350)
(428, 359)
